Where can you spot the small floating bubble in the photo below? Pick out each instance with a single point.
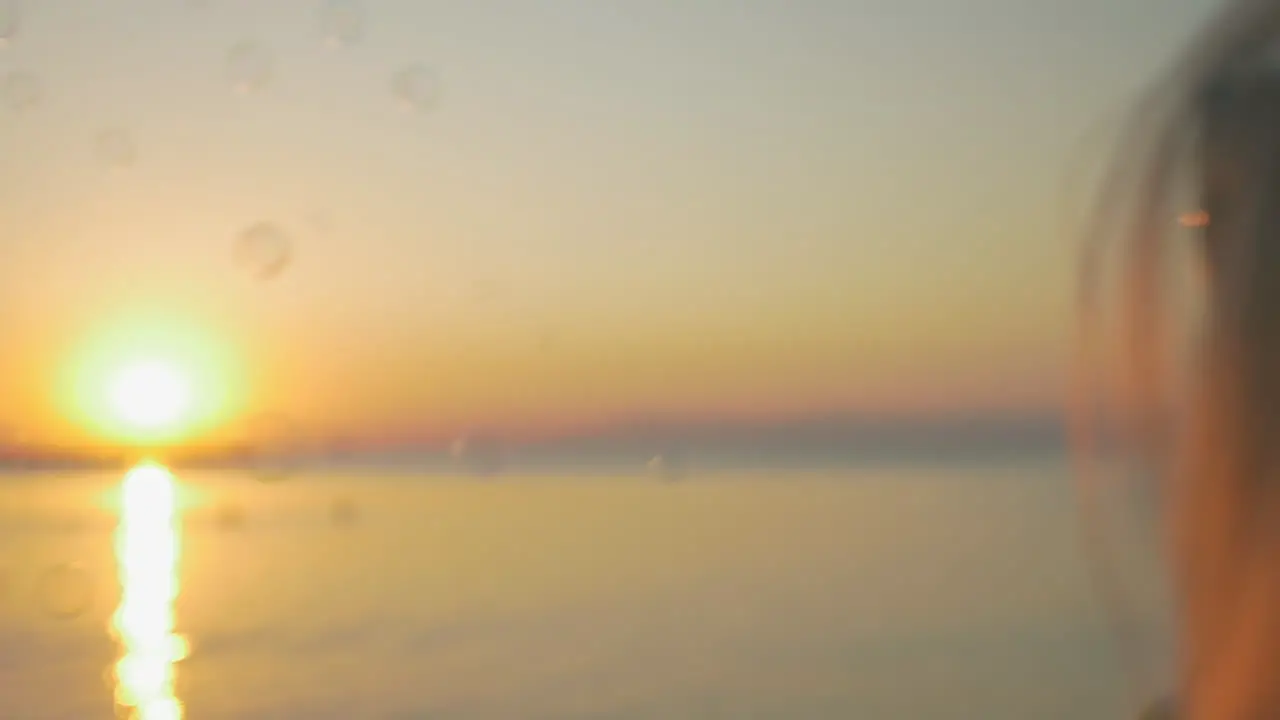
(478, 456)
(667, 467)
(264, 250)
(341, 22)
(249, 67)
(657, 465)
(343, 512)
(10, 22)
(65, 591)
(75, 524)
(319, 221)
(115, 148)
(21, 90)
(230, 516)
(416, 88)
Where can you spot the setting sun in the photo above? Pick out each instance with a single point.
(150, 395)
(152, 378)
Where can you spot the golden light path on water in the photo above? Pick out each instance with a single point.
(147, 550)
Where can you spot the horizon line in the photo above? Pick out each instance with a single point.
(979, 425)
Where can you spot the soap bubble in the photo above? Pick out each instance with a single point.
(74, 524)
(343, 512)
(478, 456)
(115, 148)
(320, 222)
(230, 516)
(249, 67)
(657, 465)
(416, 88)
(10, 21)
(667, 466)
(263, 250)
(65, 591)
(21, 90)
(341, 22)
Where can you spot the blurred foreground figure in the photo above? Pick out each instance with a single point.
(1208, 133)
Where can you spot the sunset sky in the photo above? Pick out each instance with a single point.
(757, 207)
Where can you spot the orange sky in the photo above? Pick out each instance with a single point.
(759, 208)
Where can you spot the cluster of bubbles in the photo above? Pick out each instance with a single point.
(263, 249)
(277, 448)
(250, 66)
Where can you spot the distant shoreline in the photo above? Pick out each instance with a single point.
(840, 442)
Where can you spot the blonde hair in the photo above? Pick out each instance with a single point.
(1211, 123)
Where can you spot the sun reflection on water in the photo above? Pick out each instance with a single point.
(147, 549)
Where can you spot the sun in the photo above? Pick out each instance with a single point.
(152, 377)
(150, 395)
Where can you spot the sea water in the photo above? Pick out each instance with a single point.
(908, 591)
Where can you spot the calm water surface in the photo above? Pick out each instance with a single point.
(894, 593)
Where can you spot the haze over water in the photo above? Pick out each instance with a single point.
(914, 591)
(589, 359)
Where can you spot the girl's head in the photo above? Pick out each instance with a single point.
(1209, 133)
